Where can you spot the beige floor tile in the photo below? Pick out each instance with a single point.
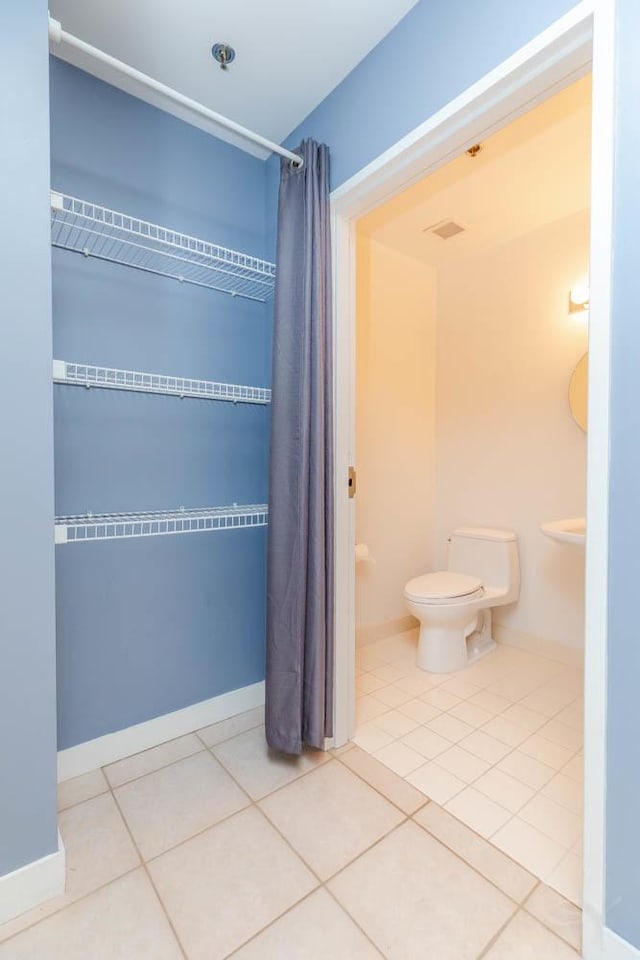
(486, 747)
(395, 723)
(565, 791)
(232, 726)
(400, 758)
(478, 812)
(223, 886)
(391, 672)
(330, 817)
(82, 788)
(490, 702)
(460, 688)
(524, 717)
(415, 683)
(507, 875)
(416, 899)
(526, 939)
(552, 754)
(562, 916)
(552, 819)
(97, 845)
(98, 849)
(575, 768)
(122, 921)
(573, 715)
(165, 807)
(418, 710)
(371, 738)
(440, 699)
(142, 763)
(505, 790)
(367, 660)
(393, 696)
(506, 731)
(541, 704)
(435, 782)
(462, 764)
(319, 929)
(449, 727)
(567, 878)
(471, 713)
(534, 850)
(527, 769)
(369, 683)
(514, 688)
(385, 781)
(560, 733)
(426, 742)
(368, 707)
(260, 770)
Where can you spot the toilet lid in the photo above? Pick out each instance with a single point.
(443, 585)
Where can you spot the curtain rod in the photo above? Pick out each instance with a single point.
(58, 35)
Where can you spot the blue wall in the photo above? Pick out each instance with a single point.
(149, 626)
(27, 636)
(623, 774)
(438, 50)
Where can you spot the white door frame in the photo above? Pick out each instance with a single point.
(580, 41)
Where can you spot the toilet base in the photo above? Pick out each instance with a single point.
(447, 649)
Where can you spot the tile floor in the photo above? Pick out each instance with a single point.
(211, 847)
(499, 746)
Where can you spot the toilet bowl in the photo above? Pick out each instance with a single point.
(453, 606)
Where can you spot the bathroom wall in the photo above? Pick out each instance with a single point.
(147, 626)
(508, 451)
(623, 678)
(27, 625)
(395, 427)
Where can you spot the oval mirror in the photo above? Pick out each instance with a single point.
(578, 392)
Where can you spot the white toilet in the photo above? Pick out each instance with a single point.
(454, 606)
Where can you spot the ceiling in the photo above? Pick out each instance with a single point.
(289, 53)
(532, 172)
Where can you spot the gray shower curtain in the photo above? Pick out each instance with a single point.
(299, 666)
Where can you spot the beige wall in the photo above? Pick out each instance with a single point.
(508, 452)
(395, 427)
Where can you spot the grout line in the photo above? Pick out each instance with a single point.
(65, 906)
(150, 878)
(372, 786)
(497, 935)
(342, 907)
(149, 773)
(85, 800)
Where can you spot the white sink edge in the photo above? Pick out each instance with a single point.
(571, 531)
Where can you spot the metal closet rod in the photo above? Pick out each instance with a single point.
(58, 35)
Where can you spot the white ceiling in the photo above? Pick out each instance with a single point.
(289, 53)
(532, 172)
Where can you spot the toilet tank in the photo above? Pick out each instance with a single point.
(489, 554)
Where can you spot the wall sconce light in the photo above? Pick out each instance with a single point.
(579, 298)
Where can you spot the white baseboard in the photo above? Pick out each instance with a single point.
(538, 645)
(31, 885)
(115, 746)
(615, 948)
(378, 631)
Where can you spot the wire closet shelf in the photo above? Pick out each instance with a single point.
(111, 378)
(95, 231)
(119, 526)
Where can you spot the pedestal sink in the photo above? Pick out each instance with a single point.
(567, 531)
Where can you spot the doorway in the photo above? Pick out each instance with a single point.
(559, 57)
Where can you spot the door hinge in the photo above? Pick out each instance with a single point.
(351, 483)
